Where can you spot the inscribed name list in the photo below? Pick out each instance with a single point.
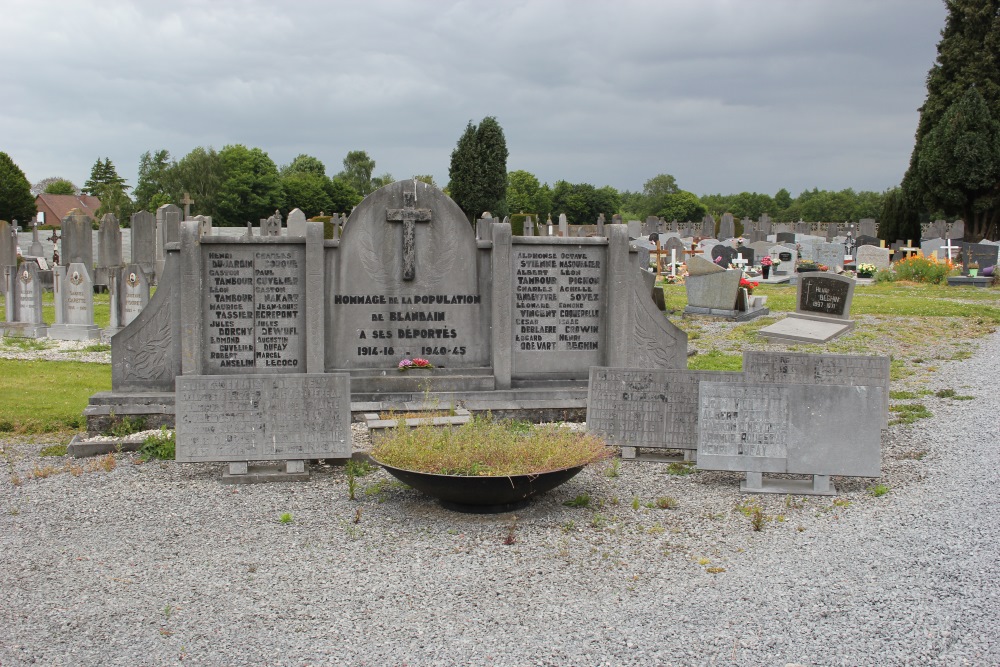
(558, 299)
(254, 309)
(743, 427)
(263, 417)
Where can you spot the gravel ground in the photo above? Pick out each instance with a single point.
(159, 563)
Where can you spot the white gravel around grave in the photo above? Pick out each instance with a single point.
(159, 563)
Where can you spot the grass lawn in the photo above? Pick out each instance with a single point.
(48, 396)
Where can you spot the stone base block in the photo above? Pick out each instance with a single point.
(795, 329)
(24, 330)
(659, 455)
(79, 447)
(819, 485)
(74, 332)
(243, 472)
(732, 315)
(969, 281)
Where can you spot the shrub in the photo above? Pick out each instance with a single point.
(923, 269)
(159, 446)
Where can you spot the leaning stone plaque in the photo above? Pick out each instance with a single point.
(796, 429)
(803, 368)
(263, 417)
(655, 409)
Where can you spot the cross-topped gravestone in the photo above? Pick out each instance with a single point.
(409, 215)
(187, 201)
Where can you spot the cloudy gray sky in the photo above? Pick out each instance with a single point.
(726, 95)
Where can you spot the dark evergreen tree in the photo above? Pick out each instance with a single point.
(105, 184)
(898, 219)
(478, 171)
(943, 178)
(16, 201)
(151, 189)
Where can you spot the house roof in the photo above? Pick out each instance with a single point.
(60, 205)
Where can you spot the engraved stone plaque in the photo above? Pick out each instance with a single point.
(558, 299)
(743, 427)
(254, 308)
(825, 295)
(655, 408)
(263, 417)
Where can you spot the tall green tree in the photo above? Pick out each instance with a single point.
(358, 170)
(343, 198)
(199, 173)
(522, 192)
(250, 188)
(943, 178)
(303, 164)
(105, 184)
(60, 186)
(897, 218)
(308, 192)
(583, 203)
(478, 170)
(152, 186)
(16, 200)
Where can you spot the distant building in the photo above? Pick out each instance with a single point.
(57, 207)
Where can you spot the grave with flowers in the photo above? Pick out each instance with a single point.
(716, 291)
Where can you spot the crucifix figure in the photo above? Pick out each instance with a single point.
(408, 216)
(187, 201)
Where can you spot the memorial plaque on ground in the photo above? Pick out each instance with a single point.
(804, 368)
(822, 313)
(263, 417)
(825, 295)
(647, 408)
(796, 429)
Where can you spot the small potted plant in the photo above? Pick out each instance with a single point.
(486, 466)
(866, 270)
(765, 266)
(973, 269)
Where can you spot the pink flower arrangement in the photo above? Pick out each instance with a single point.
(416, 362)
(765, 260)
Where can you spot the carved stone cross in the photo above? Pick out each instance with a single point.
(949, 247)
(408, 215)
(187, 201)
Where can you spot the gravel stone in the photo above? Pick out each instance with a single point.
(159, 563)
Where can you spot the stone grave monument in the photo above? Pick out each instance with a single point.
(77, 244)
(128, 295)
(74, 297)
(511, 325)
(869, 254)
(760, 428)
(143, 239)
(24, 302)
(822, 310)
(168, 230)
(715, 292)
(109, 249)
(727, 227)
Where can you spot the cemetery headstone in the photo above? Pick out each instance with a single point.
(129, 294)
(937, 229)
(143, 241)
(786, 257)
(785, 237)
(804, 368)
(822, 310)
(708, 226)
(747, 253)
(758, 428)
(24, 302)
(865, 239)
(984, 254)
(932, 247)
(866, 227)
(8, 249)
(727, 227)
(600, 225)
(956, 230)
(802, 227)
(831, 231)
(807, 250)
(634, 229)
(829, 254)
(655, 409)
(109, 248)
(868, 254)
(36, 245)
(168, 230)
(711, 289)
(271, 226)
(77, 239)
(764, 224)
(723, 255)
(74, 301)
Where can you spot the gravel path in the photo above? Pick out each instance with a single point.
(159, 564)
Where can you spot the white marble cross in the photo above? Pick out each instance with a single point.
(740, 261)
(949, 247)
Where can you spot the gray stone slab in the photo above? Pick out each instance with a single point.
(143, 242)
(24, 302)
(867, 254)
(708, 226)
(794, 329)
(77, 240)
(727, 227)
(796, 429)
(74, 304)
(713, 291)
(802, 368)
(296, 223)
(866, 227)
(829, 254)
(263, 417)
(932, 247)
(786, 257)
(647, 408)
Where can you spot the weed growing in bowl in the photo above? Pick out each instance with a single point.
(484, 447)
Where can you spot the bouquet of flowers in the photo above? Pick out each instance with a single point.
(749, 285)
(416, 362)
(767, 261)
(866, 269)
